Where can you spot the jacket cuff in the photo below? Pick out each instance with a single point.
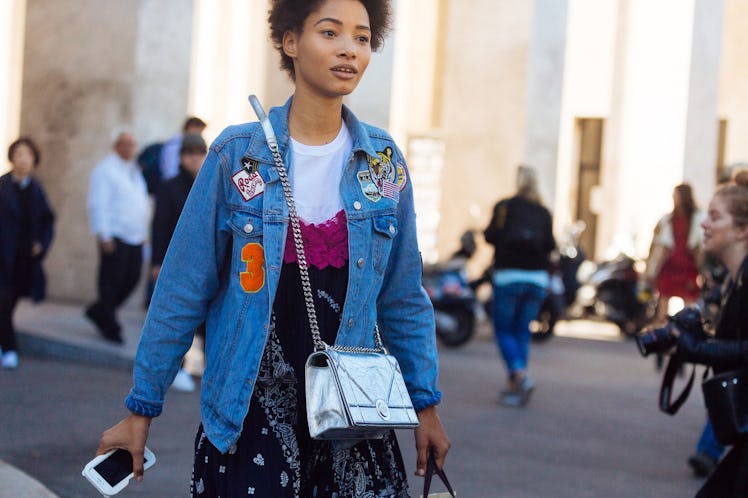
(142, 407)
(423, 403)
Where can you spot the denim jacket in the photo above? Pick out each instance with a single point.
(224, 262)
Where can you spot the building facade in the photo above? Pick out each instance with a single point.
(614, 102)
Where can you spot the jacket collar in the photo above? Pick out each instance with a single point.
(279, 119)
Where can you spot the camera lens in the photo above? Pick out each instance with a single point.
(658, 340)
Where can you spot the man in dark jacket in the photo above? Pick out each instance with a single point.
(170, 198)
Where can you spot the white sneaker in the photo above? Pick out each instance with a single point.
(10, 360)
(183, 382)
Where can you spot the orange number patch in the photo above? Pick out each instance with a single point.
(253, 279)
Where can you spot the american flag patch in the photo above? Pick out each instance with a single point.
(390, 190)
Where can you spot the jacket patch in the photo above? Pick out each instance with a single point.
(253, 278)
(250, 165)
(249, 185)
(367, 186)
(384, 178)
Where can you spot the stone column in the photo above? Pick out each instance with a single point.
(700, 148)
(545, 91)
(663, 99)
(12, 27)
(233, 57)
(90, 66)
(733, 105)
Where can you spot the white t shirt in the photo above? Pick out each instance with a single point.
(317, 170)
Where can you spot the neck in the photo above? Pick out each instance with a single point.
(313, 120)
(734, 258)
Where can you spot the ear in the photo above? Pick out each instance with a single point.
(290, 39)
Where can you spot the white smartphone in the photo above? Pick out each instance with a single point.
(111, 472)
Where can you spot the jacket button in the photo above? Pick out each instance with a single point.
(248, 228)
(360, 262)
(356, 205)
(350, 322)
(392, 229)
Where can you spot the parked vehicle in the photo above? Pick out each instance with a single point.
(454, 301)
(610, 291)
(564, 283)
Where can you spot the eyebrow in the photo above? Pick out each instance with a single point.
(340, 23)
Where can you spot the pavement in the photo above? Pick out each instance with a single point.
(59, 331)
(593, 427)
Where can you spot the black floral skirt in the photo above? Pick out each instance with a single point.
(275, 457)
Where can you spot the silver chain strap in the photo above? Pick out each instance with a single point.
(306, 285)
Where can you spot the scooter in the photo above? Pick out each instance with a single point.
(610, 292)
(564, 283)
(455, 305)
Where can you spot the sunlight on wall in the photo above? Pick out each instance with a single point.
(12, 23)
(654, 112)
(228, 61)
(588, 73)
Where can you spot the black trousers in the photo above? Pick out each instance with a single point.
(119, 272)
(8, 302)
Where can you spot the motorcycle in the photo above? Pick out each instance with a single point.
(564, 284)
(456, 308)
(610, 291)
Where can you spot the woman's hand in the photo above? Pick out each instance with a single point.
(430, 437)
(130, 434)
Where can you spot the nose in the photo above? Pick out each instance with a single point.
(348, 48)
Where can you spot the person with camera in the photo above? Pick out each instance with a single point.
(726, 237)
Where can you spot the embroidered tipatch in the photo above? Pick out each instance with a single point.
(253, 279)
(390, 190)
(367, 186)
(387, 178)
(250, 165)
(402, 176)
(249, 185)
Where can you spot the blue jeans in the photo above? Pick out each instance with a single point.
(708, 443)
(515, 305)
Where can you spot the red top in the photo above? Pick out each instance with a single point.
(679, 273)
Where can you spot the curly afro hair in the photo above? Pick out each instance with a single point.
(289, 15)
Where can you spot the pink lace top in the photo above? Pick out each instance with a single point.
(325, 244)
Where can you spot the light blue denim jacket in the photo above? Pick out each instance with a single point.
(201, 277)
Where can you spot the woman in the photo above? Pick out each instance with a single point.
(726, 237)
(232, 263)
(26, 229)
(521, 230)
(675, 255)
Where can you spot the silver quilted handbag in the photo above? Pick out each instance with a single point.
(351, 392)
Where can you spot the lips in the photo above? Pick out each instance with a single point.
(345, 69)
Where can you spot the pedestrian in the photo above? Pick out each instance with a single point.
(169, 156)
(708, 452)
(676, 254)
(118, 210)
(233, 264)
(26, 231)
(726, 236)
(160, 160)
(521, 231)
(170, 199)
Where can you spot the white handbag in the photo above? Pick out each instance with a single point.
(351, 392)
